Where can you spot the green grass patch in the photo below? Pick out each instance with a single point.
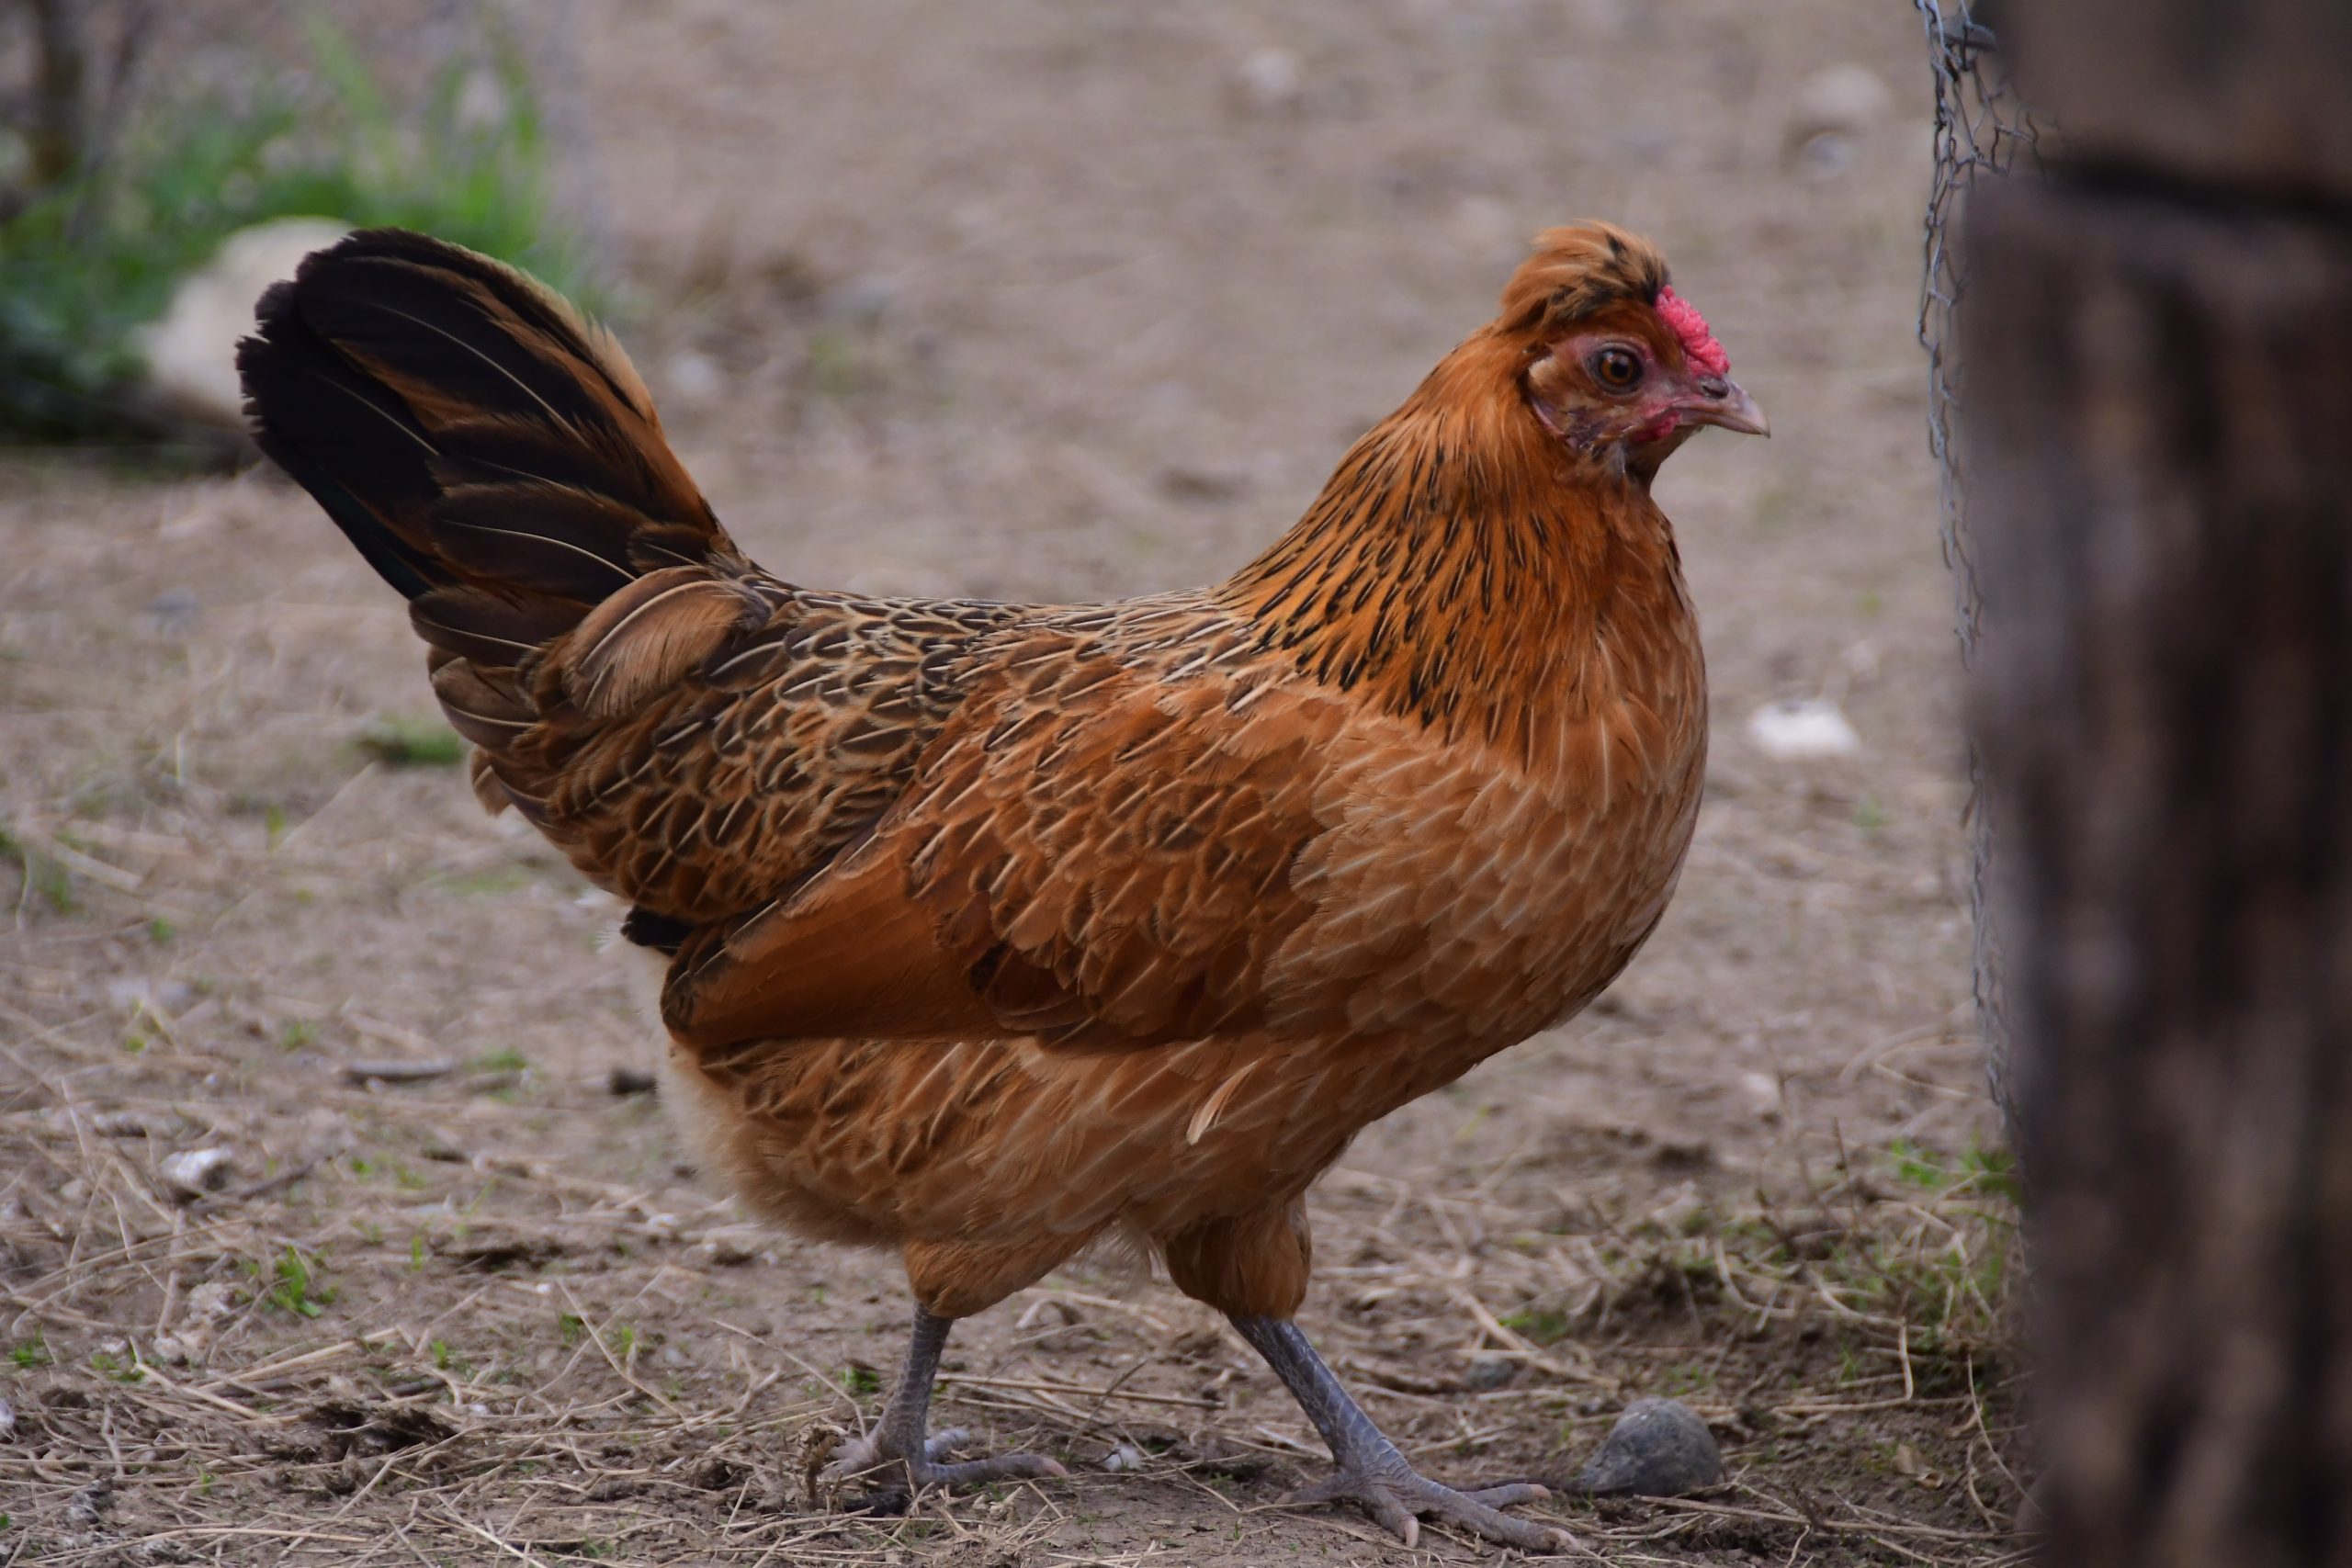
(489, 882)
(295, 1283)
(400, 742)
(96, 255)
(38, 876)
(1990, 1172)
(1539, 1324)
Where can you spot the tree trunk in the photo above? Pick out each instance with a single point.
(59, 100)
(2161, 369)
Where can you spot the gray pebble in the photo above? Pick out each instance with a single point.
(174, 607)
(1659, 1448)
(1489, 1373)
(89, 1505)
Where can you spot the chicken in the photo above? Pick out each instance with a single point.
(996, 930)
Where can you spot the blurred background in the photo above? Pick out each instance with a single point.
(1041, 300)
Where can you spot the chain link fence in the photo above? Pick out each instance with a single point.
(1982, 132)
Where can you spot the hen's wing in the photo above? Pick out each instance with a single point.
(744, 760)
(1091, 851)
(694, 734)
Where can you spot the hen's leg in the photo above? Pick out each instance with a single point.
(900, 1441)
(1371, 1472)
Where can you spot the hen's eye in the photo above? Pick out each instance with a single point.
(1617, 369)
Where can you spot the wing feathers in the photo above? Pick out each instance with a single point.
(1136, 892)
(651, 636)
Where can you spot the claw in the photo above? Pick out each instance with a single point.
(898, 1443)
(1373, 1475)
(866, 1455)
(1395, 1496)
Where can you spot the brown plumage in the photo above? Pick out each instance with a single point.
(995, 930)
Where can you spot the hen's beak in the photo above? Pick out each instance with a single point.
(1719, 401)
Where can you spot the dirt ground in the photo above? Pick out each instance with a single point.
(1047, 301)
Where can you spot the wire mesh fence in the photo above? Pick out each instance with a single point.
(1982, 132)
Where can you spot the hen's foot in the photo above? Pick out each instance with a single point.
(910, 1466)
(899, 1458)
(1373, 1475)
(1398, 1496)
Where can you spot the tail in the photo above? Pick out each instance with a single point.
(492, 455)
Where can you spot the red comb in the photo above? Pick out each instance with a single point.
(1699, 345)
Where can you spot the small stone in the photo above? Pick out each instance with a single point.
(1659, 1448)
(1202, 486)
(1837, 100)
(1270, 78)
(1764, 1095)
(89, 1503)
(8, 1422)
(438, 1146)
(211, 1302)
(1826, 120)
(694, 377)
(1683, 1154)
(135, 1124)
(862, 300)
(1801, 727)
(1489, 1373)
(192, 1173)
(174, 607)
(728, 1249)
(1829, 157)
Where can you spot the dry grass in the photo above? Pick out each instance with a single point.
(435, 1349)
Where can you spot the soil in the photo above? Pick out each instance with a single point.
(1054, 302)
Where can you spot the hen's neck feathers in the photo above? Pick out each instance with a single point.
(1463, 566)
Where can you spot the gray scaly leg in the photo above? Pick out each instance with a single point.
(1372, 1474)
(898, 1439)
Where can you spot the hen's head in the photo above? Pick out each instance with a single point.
(1614, 363)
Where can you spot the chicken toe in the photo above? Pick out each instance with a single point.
(899, 1456)
(1372, 1474)
(1398, 1496)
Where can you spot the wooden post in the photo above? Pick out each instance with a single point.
(2160, 355)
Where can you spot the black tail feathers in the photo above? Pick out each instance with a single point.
(492, 454)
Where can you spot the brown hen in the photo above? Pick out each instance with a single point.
(995, 930)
